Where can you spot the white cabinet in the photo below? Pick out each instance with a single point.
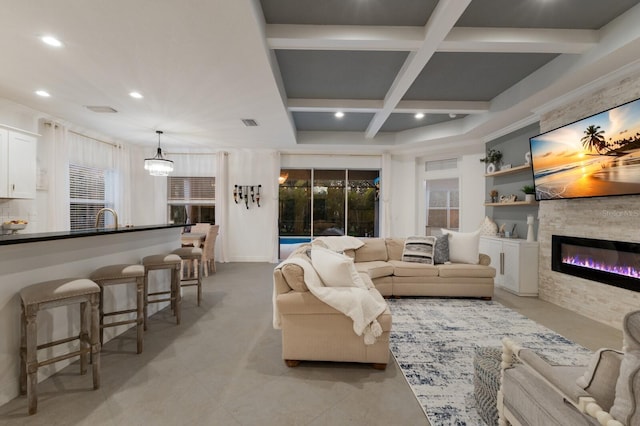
(17, 164)
(516, 264)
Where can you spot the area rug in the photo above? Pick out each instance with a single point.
(434, 341)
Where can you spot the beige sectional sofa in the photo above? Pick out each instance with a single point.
(314, 331)
(381, 259)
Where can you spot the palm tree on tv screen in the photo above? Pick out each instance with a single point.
(593, 139)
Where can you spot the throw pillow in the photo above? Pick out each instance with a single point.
(463, 246)
(488, 227)
(628, 385)
(601, 375)
(441, 250)
(335, 269)
(419, 249)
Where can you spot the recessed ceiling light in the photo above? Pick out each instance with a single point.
(136, 95)
(339, 114)
(419, 116)
(452, 115)
(51, 41)
(42, 93)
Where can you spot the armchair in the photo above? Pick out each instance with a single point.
(533, 392)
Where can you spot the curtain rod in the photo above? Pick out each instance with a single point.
(92, 138)
(190, 153)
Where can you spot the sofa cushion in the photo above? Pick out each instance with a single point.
(419, 249)
(395, 246)
(465, 270)
(600, 378)
(375, 269)
(413, 269)
(628, 384)
(294, 275)
(372, 250)
(335, 269)
(441, 250)
(463, 246)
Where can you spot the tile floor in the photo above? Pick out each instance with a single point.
(222, 366)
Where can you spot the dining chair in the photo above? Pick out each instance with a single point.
(208, 251)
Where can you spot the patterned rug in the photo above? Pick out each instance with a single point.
(434, 341)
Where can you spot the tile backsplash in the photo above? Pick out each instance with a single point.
(14, 209)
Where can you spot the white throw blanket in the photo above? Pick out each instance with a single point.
(340, 243)
(355, 302)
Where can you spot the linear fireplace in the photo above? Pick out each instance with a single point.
(615, 263)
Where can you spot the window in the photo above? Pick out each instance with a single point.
(87, 192)
(362, 213)
(295, 203)
(443, 204)
(328, 202)
(191, 199)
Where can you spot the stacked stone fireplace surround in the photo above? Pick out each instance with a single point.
(606, 218)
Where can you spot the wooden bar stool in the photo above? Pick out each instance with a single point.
(51, 294)
(122, 274)
(192, 256)
(158, 262)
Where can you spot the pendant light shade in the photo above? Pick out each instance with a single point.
(158, 165)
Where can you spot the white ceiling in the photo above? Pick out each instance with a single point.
(203, 65)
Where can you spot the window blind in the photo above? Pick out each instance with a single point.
(186, 189)
(87, 195)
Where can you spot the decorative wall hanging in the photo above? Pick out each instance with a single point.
(246, 193)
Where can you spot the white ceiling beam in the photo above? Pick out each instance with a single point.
(519, 40)
(459, 39)
(343, 37)
(443, 18)
(368, 105)
(333, 105)
(442, 107)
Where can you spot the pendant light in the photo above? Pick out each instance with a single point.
(158, 165)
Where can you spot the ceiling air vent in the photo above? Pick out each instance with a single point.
(249, 122)
(101, 109)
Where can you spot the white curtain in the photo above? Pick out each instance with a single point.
(114, 159)
(54, 137)
(222, 198)
(385, 195)
(274, 187)
(122, 184)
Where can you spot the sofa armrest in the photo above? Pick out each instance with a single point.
(303, 303)
(555, 379)
(484, 259)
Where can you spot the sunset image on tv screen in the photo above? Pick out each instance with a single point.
(593, 157)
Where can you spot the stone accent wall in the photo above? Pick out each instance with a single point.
(614, 218)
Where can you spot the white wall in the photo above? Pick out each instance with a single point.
(252, 234)
(472, 194)
(404, 204)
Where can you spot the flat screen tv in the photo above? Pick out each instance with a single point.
(596, 156)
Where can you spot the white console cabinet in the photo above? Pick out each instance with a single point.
(17, 164)
(516, 263)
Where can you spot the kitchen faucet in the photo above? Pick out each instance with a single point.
(101, 211)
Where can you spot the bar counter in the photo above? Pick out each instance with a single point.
(24, 237)
(27, 259)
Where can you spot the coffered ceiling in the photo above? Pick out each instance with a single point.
(474, 68)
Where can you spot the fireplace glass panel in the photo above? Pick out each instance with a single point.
(601, 259)
(615, 263)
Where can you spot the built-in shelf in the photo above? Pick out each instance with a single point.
(509, 171)
(515, 203)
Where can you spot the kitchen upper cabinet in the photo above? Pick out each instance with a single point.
(17, 164)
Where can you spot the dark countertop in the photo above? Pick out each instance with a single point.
(49, 236)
